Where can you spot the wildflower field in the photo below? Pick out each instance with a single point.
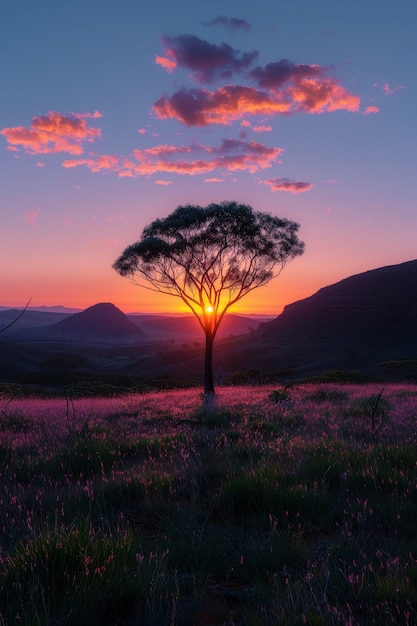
(274, 506)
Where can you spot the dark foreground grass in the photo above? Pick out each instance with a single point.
(274, 507)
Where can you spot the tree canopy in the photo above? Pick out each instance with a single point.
(211, 257)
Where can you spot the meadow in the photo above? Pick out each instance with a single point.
(275, 506)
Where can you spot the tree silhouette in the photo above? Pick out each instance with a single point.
(210, 257)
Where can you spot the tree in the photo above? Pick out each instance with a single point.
(210, 257)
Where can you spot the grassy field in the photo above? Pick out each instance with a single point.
(275, 506)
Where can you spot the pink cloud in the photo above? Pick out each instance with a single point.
(214, 180)
(200, 107)
(111, 218)
(40, 164)
(54, 132)
(67, 221)
(168, 64)
(262, 129)
(95, 116)
(231, 155)
(371, 109)
(388, 90)
(283, 184)
(142, 131)
(280, 88)
(164, 183)
(107, 162)
(32, 216)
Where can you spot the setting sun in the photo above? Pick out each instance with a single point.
(209, 309)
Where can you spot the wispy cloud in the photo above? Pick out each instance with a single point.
(262, 128)
(54, 132)
(168, 64)
(206, 61)
(105, 162)
(284, 184)
(371, 110)
(233, 23)
(388, 90)
(32, 216)
(231, 155)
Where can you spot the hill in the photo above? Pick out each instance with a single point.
(100, 320)
(354, 324)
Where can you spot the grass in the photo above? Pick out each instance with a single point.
(271, 507)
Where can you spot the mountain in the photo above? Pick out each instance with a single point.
(354, 324)
(101, 320)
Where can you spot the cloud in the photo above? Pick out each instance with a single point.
(168, 64)
(274, 75)
(388, 90)
(371, 109)
(32, 216)
(200, 107)
(284, 184)
(231, 155)
(214, 180)
(262, 129)
(206, 61)
(54, 132)
(233, 23)
(107, 162)
(164, 183)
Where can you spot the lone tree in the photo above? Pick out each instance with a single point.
(210, 257)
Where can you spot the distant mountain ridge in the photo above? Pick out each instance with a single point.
(358, 323)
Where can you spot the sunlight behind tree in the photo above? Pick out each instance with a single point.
(210, 257)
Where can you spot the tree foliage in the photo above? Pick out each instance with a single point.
(211, 257)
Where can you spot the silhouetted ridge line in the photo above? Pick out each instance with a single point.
(103, 319)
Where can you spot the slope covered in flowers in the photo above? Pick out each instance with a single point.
(270, 506)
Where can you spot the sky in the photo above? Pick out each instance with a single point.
(112, 115)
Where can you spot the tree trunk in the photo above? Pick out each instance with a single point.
(208, 365)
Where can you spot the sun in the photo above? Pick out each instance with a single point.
(209, 309)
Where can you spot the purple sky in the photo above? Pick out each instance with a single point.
(112, 116)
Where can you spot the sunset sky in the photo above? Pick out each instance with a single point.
(112, 115)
